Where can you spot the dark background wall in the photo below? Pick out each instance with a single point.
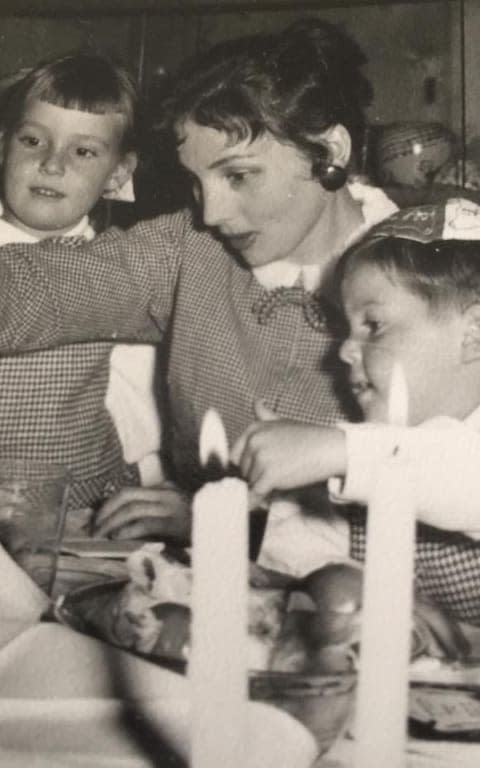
(423, 56)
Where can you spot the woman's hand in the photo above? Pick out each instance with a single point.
(137, 513)
(279, 454)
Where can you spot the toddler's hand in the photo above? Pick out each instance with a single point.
(284, 454)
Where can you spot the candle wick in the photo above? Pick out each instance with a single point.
(215, 469)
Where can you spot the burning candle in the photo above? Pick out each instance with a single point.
(218, 659)
(382, 698)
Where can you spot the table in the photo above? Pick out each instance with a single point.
(71, 701)
(76, 700)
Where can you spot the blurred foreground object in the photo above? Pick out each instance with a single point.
(412, 153)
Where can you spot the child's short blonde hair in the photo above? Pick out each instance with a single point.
(89, 82)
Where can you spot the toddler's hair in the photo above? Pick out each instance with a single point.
(88, 82)
(445, 273)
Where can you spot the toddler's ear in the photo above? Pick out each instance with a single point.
(471, 339)
(119, 185)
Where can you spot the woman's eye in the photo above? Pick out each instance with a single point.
(236, 178)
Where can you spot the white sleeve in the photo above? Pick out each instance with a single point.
(444, 461)
(130, 399)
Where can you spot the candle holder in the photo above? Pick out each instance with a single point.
(323, 704)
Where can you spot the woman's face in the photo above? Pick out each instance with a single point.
(259, 196)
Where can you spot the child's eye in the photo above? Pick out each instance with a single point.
(374, 326)
(29, 140)
(85, 152)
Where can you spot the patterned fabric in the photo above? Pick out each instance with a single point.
(97, 488)
(447, 566)
(52, 409)
(456, 219)
(163, 278)
(310, 302)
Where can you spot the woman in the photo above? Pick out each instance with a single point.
(264, 129)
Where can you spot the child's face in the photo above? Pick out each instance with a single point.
(56, 165)
(389, 323)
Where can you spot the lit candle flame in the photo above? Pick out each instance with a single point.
(213, 439)
(398, 397)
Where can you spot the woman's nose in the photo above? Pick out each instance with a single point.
(350, 351)
(53, 161)
(214, 207)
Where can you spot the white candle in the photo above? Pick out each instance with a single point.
(382, 697)
(218, 659)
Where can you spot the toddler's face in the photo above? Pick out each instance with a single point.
(389, 323)
(57, 163)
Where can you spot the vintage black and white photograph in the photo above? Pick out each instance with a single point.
(239, 384)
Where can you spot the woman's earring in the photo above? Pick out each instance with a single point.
(333, 177)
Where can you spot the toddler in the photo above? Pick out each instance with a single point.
(69, 137)
(411, 294)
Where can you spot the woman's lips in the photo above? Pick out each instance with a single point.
(241, 242)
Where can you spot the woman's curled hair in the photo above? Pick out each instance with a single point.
(294, 84)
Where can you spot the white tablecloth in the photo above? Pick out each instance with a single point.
(69, 701)
(66, 699)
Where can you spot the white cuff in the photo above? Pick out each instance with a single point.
(366, 445)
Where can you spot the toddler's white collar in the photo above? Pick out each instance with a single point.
(9, 233)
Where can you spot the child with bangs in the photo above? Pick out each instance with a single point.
(411, 294)
(70, 133)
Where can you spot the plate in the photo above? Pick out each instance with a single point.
(444, 711)
(160, 629)
(90, 609)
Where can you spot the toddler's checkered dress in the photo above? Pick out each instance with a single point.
(52, 409)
